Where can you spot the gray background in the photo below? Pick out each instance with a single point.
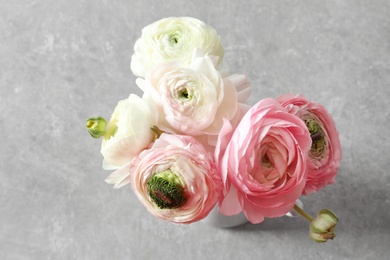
(63, 61)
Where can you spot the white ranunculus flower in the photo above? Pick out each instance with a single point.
(128, 132)
(192, 100)
(173, 39)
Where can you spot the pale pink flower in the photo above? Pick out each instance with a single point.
(182, 163)
(194, 100)
(262, 162)
(325, 154)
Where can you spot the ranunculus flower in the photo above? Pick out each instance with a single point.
(128, 132)
(176, 179)
(325, 153)
(194, 100)
(173, 39)
(263, 162)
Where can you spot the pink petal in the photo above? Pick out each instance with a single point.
(230, 204)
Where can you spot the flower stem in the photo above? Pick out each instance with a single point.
(157, 131)
(303, 213)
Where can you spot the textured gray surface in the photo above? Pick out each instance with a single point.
(62, 61)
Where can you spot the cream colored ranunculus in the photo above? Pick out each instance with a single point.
(128, 132)
(173, 39)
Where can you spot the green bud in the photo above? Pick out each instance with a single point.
(322, 227)
(166, 190)
(96, 126)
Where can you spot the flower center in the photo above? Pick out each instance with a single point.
(112, 129)
(265, 161)
(317, 137)
(166, 190)
(174, 37)
(183, 94)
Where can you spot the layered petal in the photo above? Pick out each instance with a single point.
(325, 153)
(195, 100)
(174, 39)
(128, 132)
(264, 159)
(196, 180)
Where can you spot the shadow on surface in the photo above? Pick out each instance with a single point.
(358, 204)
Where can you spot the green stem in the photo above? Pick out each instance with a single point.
(303, 213)
(157, 131)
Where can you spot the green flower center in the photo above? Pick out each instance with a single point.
(174, 37)
(166, 190)
(318, 138)
(183, 94)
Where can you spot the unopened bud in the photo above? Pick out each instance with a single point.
(322, 227)
(96, 126)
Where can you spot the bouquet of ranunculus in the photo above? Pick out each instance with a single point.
(191, 143)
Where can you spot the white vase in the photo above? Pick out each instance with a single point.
(221, 221)
(216, 219)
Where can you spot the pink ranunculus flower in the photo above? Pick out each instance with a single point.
(325, 153)
(262, 162)
(176, 179)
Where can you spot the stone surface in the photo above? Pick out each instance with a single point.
(63, 61)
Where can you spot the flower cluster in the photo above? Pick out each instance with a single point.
(192, 143)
